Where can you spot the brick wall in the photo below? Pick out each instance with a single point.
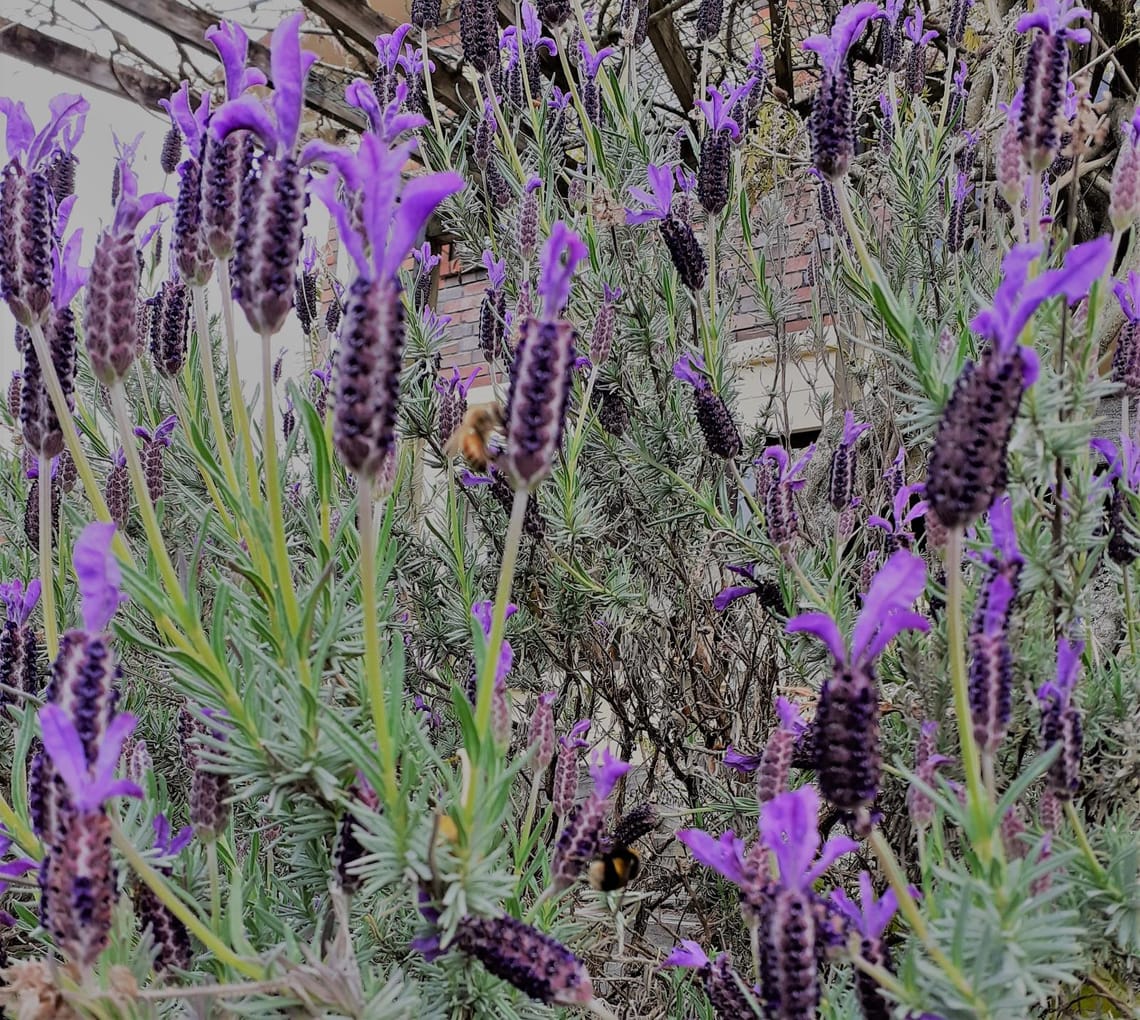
(791, 246)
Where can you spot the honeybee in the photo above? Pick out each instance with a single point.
(475, 436)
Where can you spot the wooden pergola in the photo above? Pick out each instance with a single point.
(353, 26)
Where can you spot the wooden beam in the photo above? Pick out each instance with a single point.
(666, 42)
(782, 72)
(324, 90)
(101, 72)
(360, 23)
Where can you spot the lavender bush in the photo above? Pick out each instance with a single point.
(297, 717)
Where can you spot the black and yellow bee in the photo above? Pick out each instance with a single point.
(617, 863)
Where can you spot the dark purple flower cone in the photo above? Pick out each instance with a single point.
(613, 412)
(722, 986)
(269, 240)
(84, 683)
(788, 951)
(1046, 69)
(25, 243)
(1121, 546)
(171, 939)
(539, 393)
(117, 493)
(171, 153)
(532, 961)
(850, 763)
(170, 327)
(192, 256)
(714, 167)
(109, 326)
(479, 34)
(830, 125)
(715, 420)
(368, 376)
(224, 167)
(61, 174)
(685, 251)
(81, 891)
(991, 688)
(425, 13)
(967, 467)
(710, 13)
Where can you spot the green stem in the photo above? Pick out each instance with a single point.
(47, 568)
(757, 513)
(142, 494)
(959, 682)
(70, 434)
(274, 502)
(157, 884)
(373, 669)
(909, 910)
(428, 87)
(237, 405)
(1129, 615)
(843, 200)
(210, 381)
(1083, 841)
(215, 883)
(499, 616)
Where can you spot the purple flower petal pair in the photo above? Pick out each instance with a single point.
(89, 787)
(97, 571)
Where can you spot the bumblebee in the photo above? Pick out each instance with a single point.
(475, 437)
(618, 863)
(615, 869)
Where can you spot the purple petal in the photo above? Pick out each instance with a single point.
(690, 368)
(725, 855)
(560, 257)
(606, 770)
(419, 198)
(289, 65)
(788, 826)
(232, 45)
(97, 571)
(822, 626)
(728, 596)
(852, 429)
(744, 764)
(687, 954)
(832, 850)
(896, 586)
(789, 716)
(64, 747)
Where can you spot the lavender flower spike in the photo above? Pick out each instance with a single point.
(544, 362)
(19, 648)
(680, 241)
(777, 487)
(110, 327)
(1124, 194)
(26, 202)
(722, 984)
(789, 828)
(870, 919)
(916, 62)
(831, 124)
(1126, 357)
(582, 834)
(841, 488)
(378, 230)
(270, 231)
(713, 416)
(967, 464)
(1061, 721)
(848, 714)
(1046, 71)
(713, 170)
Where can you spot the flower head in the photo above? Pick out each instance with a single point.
(871, 915)
(19, 601)
(190, 121)
(849, 24)
(688, 954)
(31, 149)
(560, 257)
(232, 44)
(789, 828)
(591, 63)
(885, 614)
(98, 574)
(289, 65)
(90, 786)
(913, 27)
(605, 770)
(1019, 295)
(718, 108)
(658, 204)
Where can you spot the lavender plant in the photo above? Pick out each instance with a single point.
(359, 678)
